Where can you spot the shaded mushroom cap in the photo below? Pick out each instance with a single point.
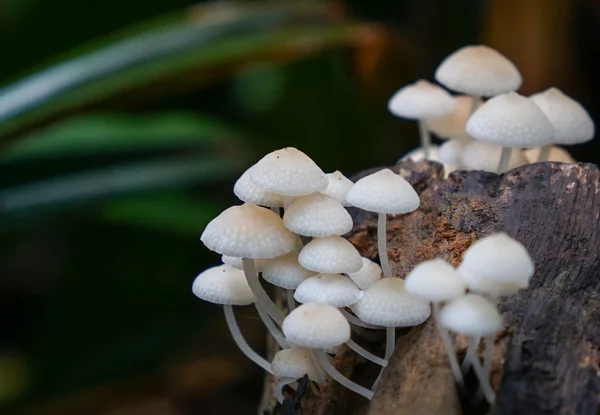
(330, 255)
(248, 231)
(486, 286)
(233, 261)
(288, 172)
(285, 271)
(480, 155)
(333, 289)
(454, 124)
(435, 281)
(418, 154)
(247, 191)
(557, 154)
(317, 215)
(572, 123)
(384, 192)
(471, 315)
(511, 120)
(292, 363)
(224, 285)
(338, 187)
(450, 152)
(316, 325)
(367, 275)
(387, 303)
(421, 100)
(480, 71)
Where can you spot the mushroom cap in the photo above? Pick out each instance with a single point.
(317, 215)
(421, 100)
(500, 258)
(435, 281)
(481, 155)
(248, 231)
(418, 154)
(330, 255)
(292, 363)
(367, 275)
(557, 154)
(333, 289)
(233, 261)
(454, 124)
(387, 303)
(247, 191)
(338, 187)
(471, 315)
(511, 120)
(384, 192)
(450, 152)
(316, 325)
(224, 285)
(288, 172)
(486, 286)
(285, 271)
(480, 71)
(572, 123)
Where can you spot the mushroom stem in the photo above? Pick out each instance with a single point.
(390, 342)
(278, 388)
(504, 159)
(277, 335)
(465, 365)
(338, 377)
(425, 138)
(318, 370)
(366, 354)
(484, 382)
(544, 153)
(382, 244)
(474, 103)
(262, 299)
(291, 303)
(352, 319)
(454, 366)
(241, 342)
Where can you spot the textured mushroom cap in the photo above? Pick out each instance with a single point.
(317, 215)
(367, 275)
(292, 363)
(471, 315)
(435, 281)
(387, 303)
(384, 192)
(479, 71)
(486, 286)
(248, 231)
(316, 325)
(288, 172)
(511, 120)
(333, 289)
(285, 271)
(572, 123)
(223, 284)
(247, 191)
(450, 152)
(454, 124)
(330, 255)
(418, 154)
(500, 258)
(421, 100)
(557, 153)
(338, 187)
(480, 155)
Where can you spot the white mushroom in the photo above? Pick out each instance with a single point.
(555, 153)
(481, 155)
(317, 215)
(338, 187)
(453, 125)
(367, 275)
(285, 272)
(247, 191)
(330, 255)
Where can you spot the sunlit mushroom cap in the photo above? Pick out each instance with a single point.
(557, 153)
(479, 71)
(435, 281)
(316, 325)
(367, 275)
(285, 271)
(480, 155)
(338, 187)
(330, 255)
(223, 284)
(471, 315)
(292, 363)
(247, 191)
(333, 289)
(454, 124)
(317, 215)
(421, 100)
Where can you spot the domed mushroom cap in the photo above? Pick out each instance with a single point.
(387, 303)
(316, 325)
(338, 187)
(421, 100)
(479, 71)
(450, 152)
(247, 191)
(367, 275)
(481, 155)
(384, 192)
(471, 315)
(317, 215)
(483, 285)
(330, 255)
(288, 172)
(224, 285)
(454, 124)
(435, 281)
(557, 154)
(511, 120)
(292, 363)
(572, 123)
(285, 271)
(248, 231)
(333, 289)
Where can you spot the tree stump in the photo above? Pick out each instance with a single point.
(546, 360)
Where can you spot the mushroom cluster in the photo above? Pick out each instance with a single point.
(506, 131)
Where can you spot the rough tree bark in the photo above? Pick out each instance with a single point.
(546, 360)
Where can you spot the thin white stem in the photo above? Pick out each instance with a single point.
(390, 342)
(352, 319)
(317, 369)
(449, 347)
(504, 159)
(366, 354)
(382, 244)
(291, 303)
(241, 342)
(278, 388)
(544, 153)
(277, 335)
(465, 365)
(262, 299)
(338, 377)
(484, 381)
(425, 139)
(474, 103)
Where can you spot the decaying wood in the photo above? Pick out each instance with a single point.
(546, 360)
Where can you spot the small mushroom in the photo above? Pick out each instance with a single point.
(338, 187)
(481, 155)
(454, 124)
(317, 215)
(247, 191)
(285, 272)
(330, 255)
